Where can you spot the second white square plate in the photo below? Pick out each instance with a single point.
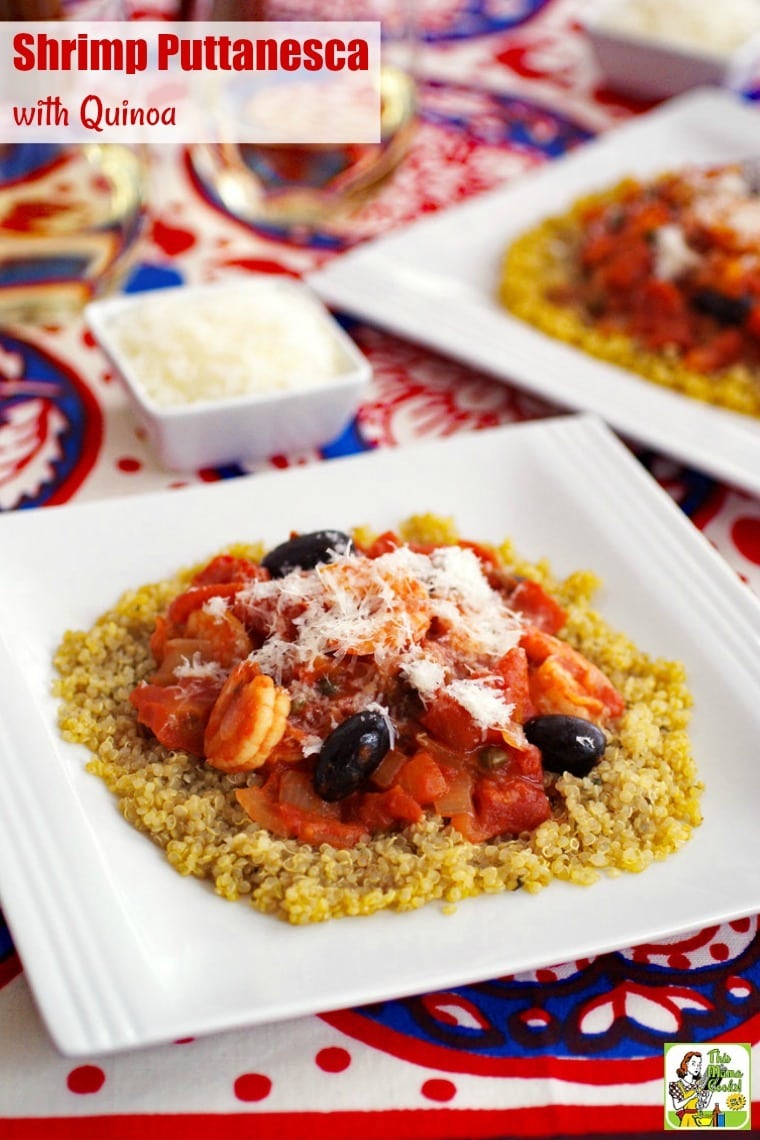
(436, 282)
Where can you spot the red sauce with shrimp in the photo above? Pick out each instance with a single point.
(365, 687)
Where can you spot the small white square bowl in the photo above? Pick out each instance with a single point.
(212, 432)
(651, 67)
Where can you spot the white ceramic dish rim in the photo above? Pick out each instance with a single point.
(121, 952)
(435, 281)
(99, 313)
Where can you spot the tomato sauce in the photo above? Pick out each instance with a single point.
(255, 673)
(675, 264)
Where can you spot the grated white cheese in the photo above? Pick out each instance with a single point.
(384, 607)
(457, 571)
(195, 666)
(187, 349)
(485, 704)
(714, 26)
(730, 182)
(217, 606)
(425, 675)
(478, 618)
(739, 215)
(311, 744)
(672, 254)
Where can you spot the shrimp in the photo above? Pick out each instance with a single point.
(562, 680)
(247, 721)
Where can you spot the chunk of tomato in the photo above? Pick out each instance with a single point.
(177, 714)
(382, 811)
(422, 778)
(513, 669)
(725, 348)
(542, 611)
(192, 599)
(628, 269)
(383, 544)
(228, 568)
(659, 315)
(503, 806)
(448, 722)
(333, 831)
(161, 634)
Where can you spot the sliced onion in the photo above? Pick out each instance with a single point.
(388, 768)
(297, 790)
(457, 799)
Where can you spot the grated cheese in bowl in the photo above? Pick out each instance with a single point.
(239, 371)
(225, 344)
(714, 26)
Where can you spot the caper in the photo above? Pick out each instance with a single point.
(305, 551)
(492, 757)
(567, 743)
(351, 753)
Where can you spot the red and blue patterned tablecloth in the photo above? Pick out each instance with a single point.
(506, 85)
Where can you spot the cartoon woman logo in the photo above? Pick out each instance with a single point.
(689, 1096)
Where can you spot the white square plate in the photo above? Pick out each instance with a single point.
(121, 951)
(436, 282)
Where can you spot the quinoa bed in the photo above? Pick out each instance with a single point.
(638, 805)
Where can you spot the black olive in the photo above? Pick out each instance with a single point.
(567, 743)
(351, 753)
(726, 310)
(305, 551)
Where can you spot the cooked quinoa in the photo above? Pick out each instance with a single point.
(541, 262)
(638, 805)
